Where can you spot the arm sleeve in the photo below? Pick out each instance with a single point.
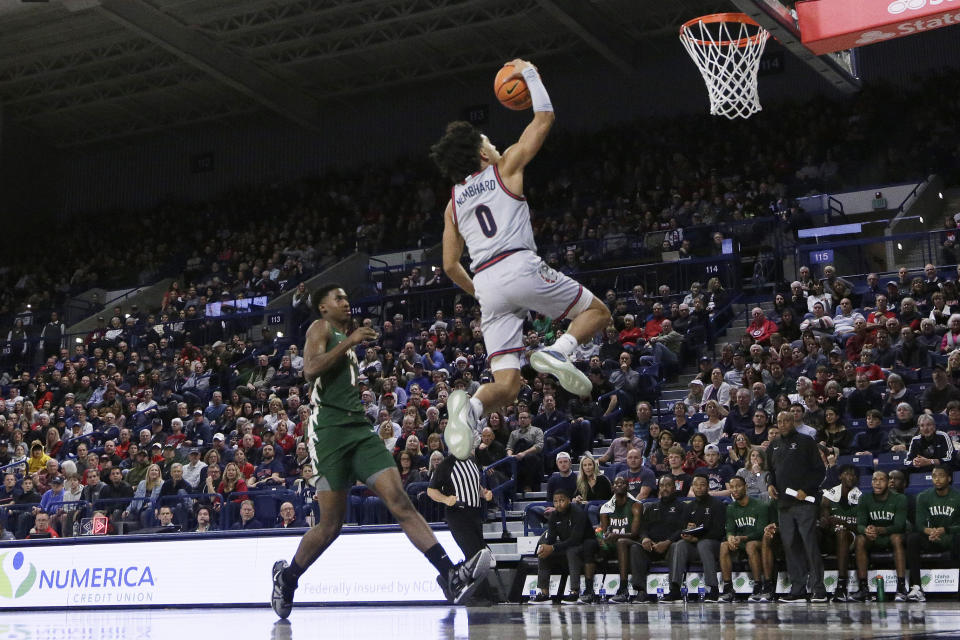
(731, 526)
(441, 473)
(763, 519)
(954, 526)
(578, 521)
(817, 470)
(684, 519)
(715, 529)
(552, 529)
(911, 454)
(920, 517)
(538, 439)
(899, 517)
(863, 515)
(948, 449)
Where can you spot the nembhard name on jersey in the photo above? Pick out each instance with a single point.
(476, 189)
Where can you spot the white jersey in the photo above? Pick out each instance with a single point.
(493, 221)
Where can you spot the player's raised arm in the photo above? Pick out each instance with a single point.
(316, 358)
(452, 251)
(522, 152)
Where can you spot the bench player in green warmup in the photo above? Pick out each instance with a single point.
(746, 520)
(344, 449)
(620, 520)
(938, 524)
(881, 525)
(838, 524)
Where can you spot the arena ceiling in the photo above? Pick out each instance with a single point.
(75, 72)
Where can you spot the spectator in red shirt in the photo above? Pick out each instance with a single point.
(879, 315)
(246, 468)
(951, 339)
(124, 445)
(761, 327)
(867, 366)
(177, 436)
(303, 419)
(655, 324)
(41, 527)
(284, 440)
(861, 337)
(631, 332)
(233, 487)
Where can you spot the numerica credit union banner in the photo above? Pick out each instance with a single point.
(194, 571)
(833, 25)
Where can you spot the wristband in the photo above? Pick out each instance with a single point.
(538, 93)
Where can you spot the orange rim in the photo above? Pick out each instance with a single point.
(715, 18)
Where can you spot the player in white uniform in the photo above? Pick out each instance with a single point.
(488, 212)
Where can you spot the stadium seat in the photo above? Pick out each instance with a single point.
(919, 482)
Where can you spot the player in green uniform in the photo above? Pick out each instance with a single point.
(344, 449)
(746, 520)
(838, 524)
(620, 522)
(938, 527)
(881, 523)
(771, 551)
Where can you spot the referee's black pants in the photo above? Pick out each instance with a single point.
(466, 527)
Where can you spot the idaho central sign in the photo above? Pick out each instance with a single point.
(834, 25)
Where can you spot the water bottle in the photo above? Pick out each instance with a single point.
(702, 592)
(881, 596)
(602, 593)
(599, 533)
(533, 592)
(683, 592)
(659, 593)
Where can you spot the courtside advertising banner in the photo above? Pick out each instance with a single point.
(372, 567)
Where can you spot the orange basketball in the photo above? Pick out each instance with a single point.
(513, 93)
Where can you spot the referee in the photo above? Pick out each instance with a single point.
(456, 484)
(796, 471)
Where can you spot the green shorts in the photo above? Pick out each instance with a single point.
(344, 454)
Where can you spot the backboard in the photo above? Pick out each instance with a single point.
(839, 68)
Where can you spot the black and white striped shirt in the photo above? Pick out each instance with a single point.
(460, 478)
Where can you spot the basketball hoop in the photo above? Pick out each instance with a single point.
(726, 48)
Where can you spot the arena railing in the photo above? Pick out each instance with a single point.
(423, 302)
(502, 492)
(29, 353)
(749, 232)
(877, 254)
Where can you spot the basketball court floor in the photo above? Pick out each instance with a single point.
(940, 619)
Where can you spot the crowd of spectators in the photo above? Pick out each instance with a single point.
(146, 413)
(625, 193)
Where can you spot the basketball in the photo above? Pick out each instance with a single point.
(513, 93)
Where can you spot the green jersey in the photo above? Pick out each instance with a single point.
(621, 517)
(748, 520)
(939, 511)
(335, 397)
(890, 513)
(845, 510)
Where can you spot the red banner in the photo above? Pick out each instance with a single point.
(834, 25)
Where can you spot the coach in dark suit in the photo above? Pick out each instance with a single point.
(796, 472)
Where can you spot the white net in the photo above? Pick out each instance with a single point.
(727, 52)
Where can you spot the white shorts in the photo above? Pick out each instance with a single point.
(509, 287)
